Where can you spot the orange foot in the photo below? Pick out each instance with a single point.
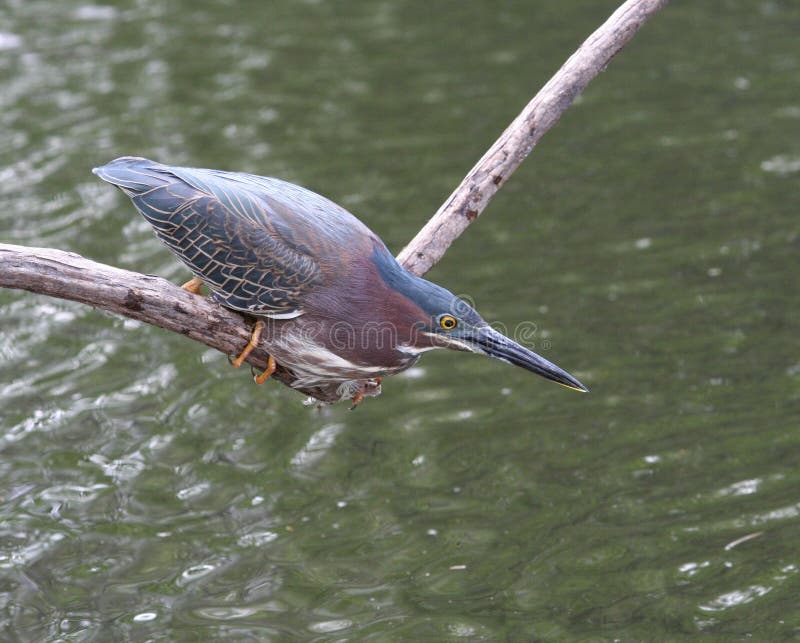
(193, 285)
(373, 386)
(260, 379)
(357, 398)
(255, 337)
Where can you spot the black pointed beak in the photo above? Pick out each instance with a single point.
(488, 341)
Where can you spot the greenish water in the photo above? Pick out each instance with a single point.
(150, 492)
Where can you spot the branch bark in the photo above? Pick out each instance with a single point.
(156, 301)
(150, 299)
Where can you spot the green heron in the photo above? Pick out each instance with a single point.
(332, 304)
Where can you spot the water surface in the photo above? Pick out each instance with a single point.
(149, 491)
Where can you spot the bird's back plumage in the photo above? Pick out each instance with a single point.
(255, 241)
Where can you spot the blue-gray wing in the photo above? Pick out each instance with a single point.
(248, 238)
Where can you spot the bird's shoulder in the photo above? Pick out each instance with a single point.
(308, 226)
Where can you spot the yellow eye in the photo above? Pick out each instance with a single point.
(448, 322)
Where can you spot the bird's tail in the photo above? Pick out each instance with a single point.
(133, 175)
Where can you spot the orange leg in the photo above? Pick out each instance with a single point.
(360, 394)
(357, 399)
(260, 379)
(193, 285)
(254, 338)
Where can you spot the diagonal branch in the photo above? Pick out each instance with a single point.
(155, 301)
(472, 196)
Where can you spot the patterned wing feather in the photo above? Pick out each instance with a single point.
(227, 234)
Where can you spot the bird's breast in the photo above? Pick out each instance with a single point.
(321, 350)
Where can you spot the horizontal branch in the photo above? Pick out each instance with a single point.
(149, 299)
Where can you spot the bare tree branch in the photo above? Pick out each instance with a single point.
(66, 275)
(155, 301)
(472, 196)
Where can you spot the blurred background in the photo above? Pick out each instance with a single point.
(150, 491)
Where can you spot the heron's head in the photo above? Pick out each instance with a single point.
(447, 321)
